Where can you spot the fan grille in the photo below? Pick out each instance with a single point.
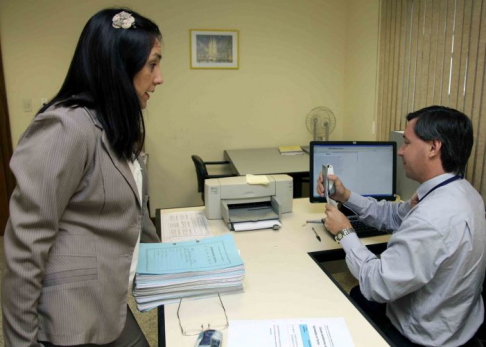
(318, 119)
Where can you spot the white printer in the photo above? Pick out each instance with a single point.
(236, 201)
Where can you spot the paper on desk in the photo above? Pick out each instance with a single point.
(263, 224)
(306, 332)
(217, 252)
(290, 150)
(257, 179)
(167, 272)
(184, 226)
(202, 294)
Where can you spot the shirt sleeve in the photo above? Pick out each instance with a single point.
(49, 163)
(379, 214)
(413, 255)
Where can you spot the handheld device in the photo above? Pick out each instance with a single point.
(329, 188)
(210, 338)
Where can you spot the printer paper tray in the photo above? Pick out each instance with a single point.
(266, 224)
(251, 214)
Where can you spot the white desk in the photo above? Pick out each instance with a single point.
(261, 161)
(268, 161)
(282, 280)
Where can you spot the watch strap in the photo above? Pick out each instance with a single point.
(342, 233)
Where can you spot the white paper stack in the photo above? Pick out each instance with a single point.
(167, 272)
(263, 224)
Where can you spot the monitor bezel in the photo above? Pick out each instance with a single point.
(313, 182)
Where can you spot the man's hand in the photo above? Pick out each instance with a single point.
(335, 220)
(342, 193)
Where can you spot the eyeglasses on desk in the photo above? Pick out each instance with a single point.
(218, 325)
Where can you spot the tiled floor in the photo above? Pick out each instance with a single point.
(148, 320)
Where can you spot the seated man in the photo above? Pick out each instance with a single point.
(425, 289)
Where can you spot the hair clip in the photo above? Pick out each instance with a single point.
(123, 20)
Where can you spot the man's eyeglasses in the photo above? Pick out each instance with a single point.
(216, 325)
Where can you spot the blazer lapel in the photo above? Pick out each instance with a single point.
(120, 163)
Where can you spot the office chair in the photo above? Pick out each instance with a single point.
(480, 336)
(481, 333)
(202, 172)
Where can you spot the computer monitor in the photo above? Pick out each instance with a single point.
(365, 167)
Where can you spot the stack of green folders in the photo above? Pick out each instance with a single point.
(167, 272)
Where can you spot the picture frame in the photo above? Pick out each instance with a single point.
(214, 49)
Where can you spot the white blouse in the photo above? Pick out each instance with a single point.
(137, 176)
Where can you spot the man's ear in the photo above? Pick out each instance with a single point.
(435, 148)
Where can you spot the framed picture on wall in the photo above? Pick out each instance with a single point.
(214, 49)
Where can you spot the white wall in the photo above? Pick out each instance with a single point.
(294, 56)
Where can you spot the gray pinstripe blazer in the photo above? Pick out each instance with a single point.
(74, 221)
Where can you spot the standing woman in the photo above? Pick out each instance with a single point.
(79, 210)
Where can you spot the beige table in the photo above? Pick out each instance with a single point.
(269, 161)
(282, 280)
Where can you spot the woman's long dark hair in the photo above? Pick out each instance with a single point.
(101, 75)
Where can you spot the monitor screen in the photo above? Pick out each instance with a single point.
(366, 168)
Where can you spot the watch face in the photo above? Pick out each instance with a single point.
(339, 236)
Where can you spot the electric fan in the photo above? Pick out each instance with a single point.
(320, 122)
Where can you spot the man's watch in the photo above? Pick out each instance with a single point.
(341, 233)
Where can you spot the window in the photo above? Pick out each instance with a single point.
(433, 52)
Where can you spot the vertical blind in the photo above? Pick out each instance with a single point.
(433, 52)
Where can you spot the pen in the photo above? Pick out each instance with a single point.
(314, 221)
(317, 236)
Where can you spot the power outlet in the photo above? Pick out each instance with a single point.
(27, 105)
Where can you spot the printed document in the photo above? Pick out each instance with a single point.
(214, 253)
(310, 332)
(184, 226)
(167, 272)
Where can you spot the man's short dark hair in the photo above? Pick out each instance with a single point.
(452, 128)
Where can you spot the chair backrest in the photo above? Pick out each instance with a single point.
(481, 333)
(201, 171)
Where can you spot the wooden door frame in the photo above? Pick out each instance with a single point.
(7, 180)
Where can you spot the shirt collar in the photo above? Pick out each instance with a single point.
(425, 187)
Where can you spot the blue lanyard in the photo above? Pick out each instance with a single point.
(446, 182)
